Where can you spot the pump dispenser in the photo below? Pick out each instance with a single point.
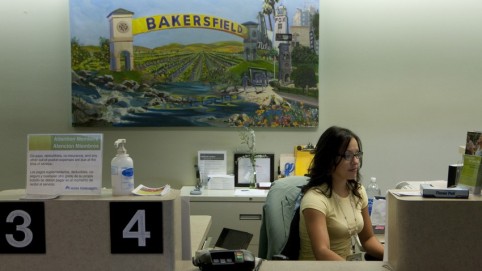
(122, 170)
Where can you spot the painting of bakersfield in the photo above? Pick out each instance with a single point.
(192, 63)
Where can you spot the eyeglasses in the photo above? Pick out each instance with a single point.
(348, 156)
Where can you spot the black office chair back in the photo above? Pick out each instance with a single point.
(291, 250)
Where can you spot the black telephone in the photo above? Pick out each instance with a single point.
(217, 260)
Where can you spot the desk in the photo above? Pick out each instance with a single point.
(235, 209)
(200, 225)
(305, 266)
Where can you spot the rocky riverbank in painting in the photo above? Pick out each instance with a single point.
(98, 101)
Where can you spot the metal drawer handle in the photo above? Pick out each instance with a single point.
(249, 217)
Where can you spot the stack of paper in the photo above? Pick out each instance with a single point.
(221, 182)
(142, 190)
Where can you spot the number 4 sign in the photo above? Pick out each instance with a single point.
(22, 227)
(136, 227)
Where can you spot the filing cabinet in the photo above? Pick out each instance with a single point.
(235, 209)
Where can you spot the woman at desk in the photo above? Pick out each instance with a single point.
(334, 205)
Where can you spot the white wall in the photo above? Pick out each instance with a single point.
(405, 75)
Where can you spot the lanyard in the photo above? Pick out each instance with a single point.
(351, 231)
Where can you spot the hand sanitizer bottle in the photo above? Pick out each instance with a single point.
(122, 171)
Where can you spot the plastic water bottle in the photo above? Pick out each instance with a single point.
(372, 191)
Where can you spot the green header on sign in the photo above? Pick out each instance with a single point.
(64, 142)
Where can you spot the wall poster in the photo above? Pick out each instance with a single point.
(209, 63)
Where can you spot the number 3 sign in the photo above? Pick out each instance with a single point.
(22, 227)
(136, 227)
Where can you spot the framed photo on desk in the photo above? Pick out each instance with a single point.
(243, 169)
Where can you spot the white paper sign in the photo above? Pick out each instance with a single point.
(221, 182)
(379, 212)
(287, 164)
(211, 163)
(263, 169)
(64, 164)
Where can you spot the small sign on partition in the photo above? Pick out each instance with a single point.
(64, 164)
(136, 227)
(22, 225)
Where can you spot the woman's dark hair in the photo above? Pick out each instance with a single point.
(333, 142)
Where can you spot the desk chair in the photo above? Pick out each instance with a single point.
(279, 235)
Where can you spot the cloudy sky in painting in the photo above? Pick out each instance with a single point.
(88, 18)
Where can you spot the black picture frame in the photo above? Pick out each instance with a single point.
(264, 168)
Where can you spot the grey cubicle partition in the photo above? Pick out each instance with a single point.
(78, 233)
(433, 234)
